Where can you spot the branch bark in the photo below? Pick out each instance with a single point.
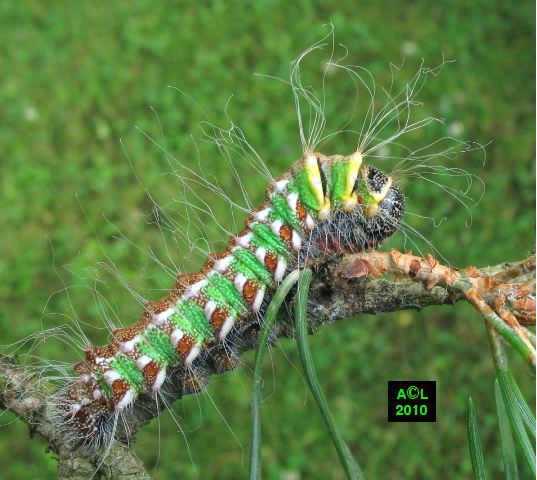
(343, 286)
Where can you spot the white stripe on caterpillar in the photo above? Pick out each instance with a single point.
(226, 327)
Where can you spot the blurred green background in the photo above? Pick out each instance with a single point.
(75, 77)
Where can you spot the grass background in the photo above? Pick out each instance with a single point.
(74, 79)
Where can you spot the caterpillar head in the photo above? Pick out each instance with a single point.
(382, 201)
(357, 205)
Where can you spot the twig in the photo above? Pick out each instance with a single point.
(503, 294)
(343, 286)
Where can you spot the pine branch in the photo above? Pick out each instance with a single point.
(343, 286)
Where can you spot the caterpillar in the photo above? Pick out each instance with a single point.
(317, 196)
(322, 204)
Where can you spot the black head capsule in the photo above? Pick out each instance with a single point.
(393, 204)
(387, 217)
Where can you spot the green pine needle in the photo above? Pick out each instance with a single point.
(303, 278)
(476, 453)
(346, 458)
(516, 415)
(520, 416)
(270, 318)
(506, 437)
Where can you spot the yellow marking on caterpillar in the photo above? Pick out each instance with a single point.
(314, 177)
(379, 196)
(350, 199)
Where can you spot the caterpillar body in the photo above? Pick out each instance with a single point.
(321, 203)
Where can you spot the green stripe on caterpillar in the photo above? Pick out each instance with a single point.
(232, 287)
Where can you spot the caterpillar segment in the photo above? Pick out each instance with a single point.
(233, 286)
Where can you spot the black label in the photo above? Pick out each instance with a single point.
(411, 401)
